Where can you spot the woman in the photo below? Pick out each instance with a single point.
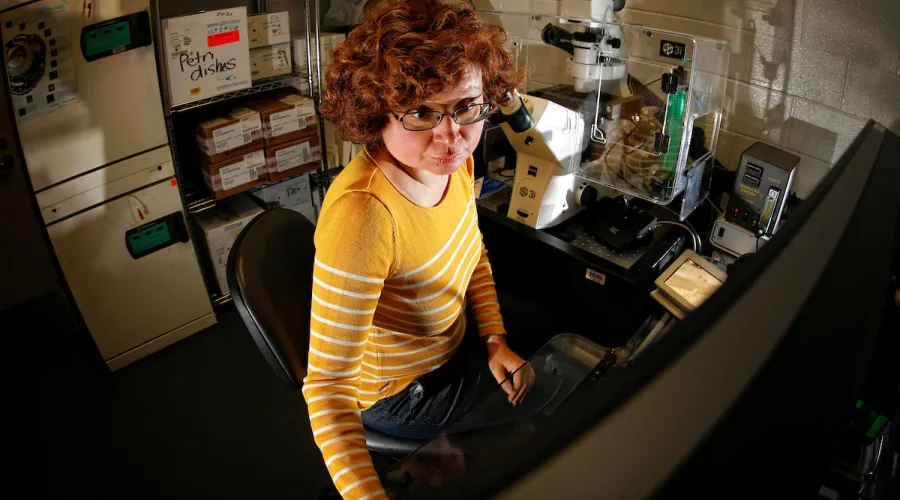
(399, 255)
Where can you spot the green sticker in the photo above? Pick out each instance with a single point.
(150, 238)
(107, 38)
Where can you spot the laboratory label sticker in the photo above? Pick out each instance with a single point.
(229, 137)
(181, 38)
(595, 276)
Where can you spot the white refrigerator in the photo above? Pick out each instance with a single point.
(86, 97)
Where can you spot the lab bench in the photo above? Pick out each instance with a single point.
(602, 295)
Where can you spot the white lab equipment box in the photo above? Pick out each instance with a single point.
(90, 120)
(206, 54)
(293, 193)
(132, 305)
(220, 227)
(269, 29)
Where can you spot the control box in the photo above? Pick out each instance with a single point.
(734, 239)
(761, 187)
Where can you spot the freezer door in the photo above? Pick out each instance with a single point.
(127, 302)
(112, 107)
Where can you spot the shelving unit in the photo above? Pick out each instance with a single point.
(261, 86)
(180, 120)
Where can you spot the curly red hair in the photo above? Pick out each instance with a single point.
(405, 52)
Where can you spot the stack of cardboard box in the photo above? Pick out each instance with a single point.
(290, 129)
(327, 42)
(270, 45)
(233, 158)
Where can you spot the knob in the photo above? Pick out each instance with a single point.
(615, 43)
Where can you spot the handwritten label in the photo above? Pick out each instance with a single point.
(229, 137)
(223, 38)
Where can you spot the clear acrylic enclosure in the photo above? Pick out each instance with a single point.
(652, 100)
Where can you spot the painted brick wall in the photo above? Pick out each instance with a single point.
(805, 75)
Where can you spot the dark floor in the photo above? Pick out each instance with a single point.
(204, 418)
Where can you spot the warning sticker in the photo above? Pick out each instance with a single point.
(223, 38)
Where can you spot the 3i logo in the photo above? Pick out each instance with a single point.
(673, 50)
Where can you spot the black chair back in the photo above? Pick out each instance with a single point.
(270, 270)
(270, 276)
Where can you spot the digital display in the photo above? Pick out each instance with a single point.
(693, 283)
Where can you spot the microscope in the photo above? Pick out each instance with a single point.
(618, 123)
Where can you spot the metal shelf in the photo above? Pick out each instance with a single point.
(277, 82)
(220, 300)
(200, 201)
(200, 204)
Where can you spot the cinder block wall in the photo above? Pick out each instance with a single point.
(804, 75)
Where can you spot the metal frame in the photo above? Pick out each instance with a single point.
(191, 201)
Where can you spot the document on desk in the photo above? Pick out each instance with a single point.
(489, 186)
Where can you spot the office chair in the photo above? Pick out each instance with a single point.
(269, 272)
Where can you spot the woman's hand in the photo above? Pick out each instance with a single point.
(502, 362)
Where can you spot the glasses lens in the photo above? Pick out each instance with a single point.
(421, 120)
(472, 113)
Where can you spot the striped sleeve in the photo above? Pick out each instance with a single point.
(482, 298)
(354, 254)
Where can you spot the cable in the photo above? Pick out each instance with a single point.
(691, 227)
(712, 204)
(694, 237)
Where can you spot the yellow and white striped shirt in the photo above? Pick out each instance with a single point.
(391, 283)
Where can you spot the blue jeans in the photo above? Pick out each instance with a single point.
(437, 399)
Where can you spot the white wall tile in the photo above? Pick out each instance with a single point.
(758, 112)
(773, 18)
(738, 40)
(799, 70)
(821, 132)
(809, 174)
(489, 5)
(694, 9)
(863, 36)
(884, 6)
(724, 147)
(874, 94)
(740, 144)
(545, 7)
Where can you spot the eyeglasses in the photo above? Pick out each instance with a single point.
(427, 119)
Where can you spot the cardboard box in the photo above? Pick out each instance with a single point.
(235, 175)
(293, 193)
(220, 226)
(206, 54)
(311, 213)
(234, 134)
(327, 43)
(289, 159)
(286, 117)
(269, 29)
(269, 61)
